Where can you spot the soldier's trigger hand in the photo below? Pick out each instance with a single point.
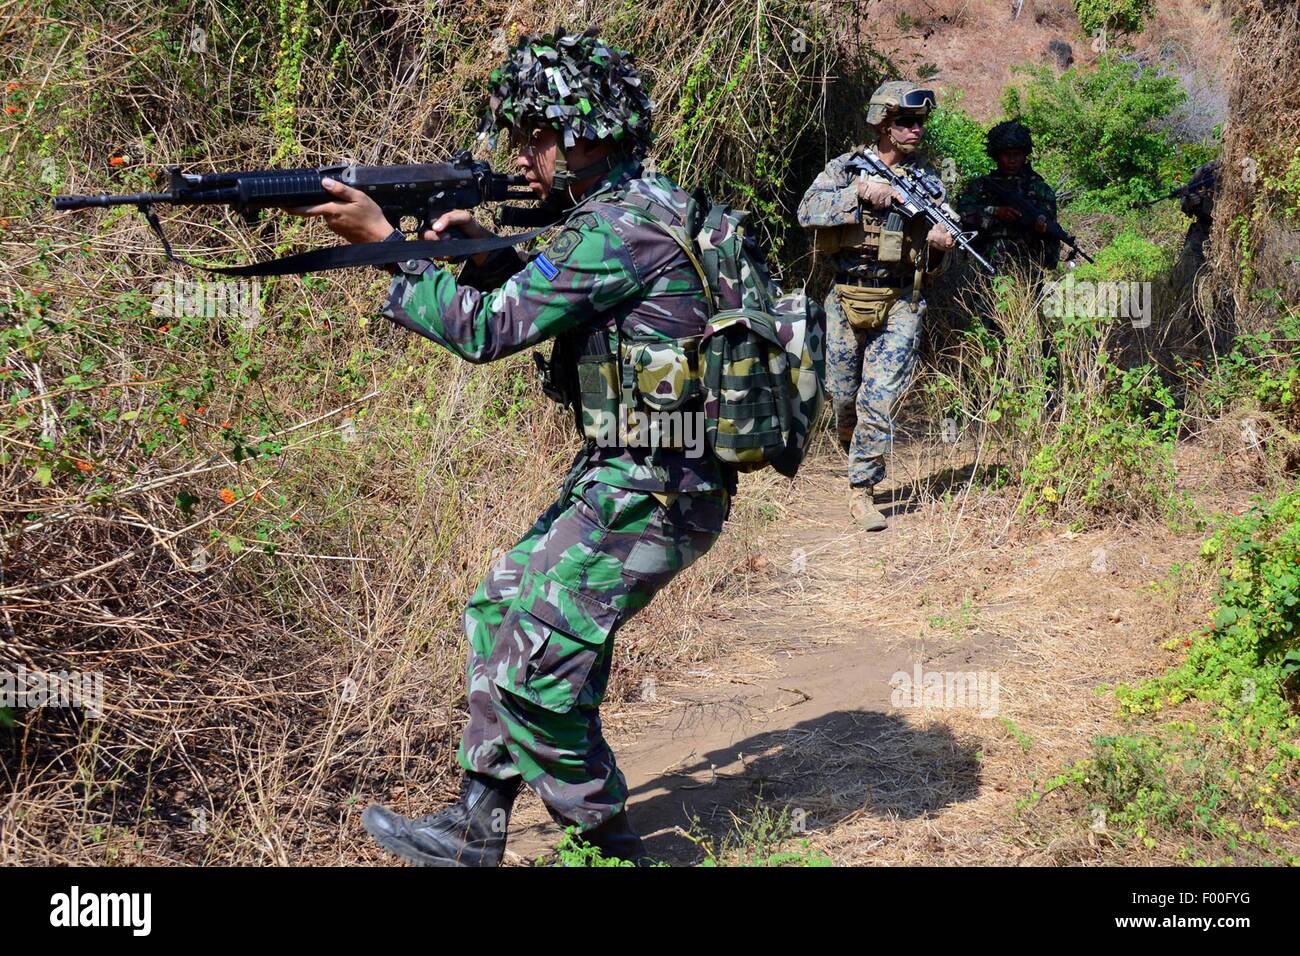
(1040, 225)
(458, 224)
(1005, 214)
(876, 194)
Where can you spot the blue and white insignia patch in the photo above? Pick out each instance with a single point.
(546, 267)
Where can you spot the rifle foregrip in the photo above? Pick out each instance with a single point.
(296, 188)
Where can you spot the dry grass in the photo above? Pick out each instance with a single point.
(257, 698)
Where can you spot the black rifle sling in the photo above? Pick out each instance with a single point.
(349, 256)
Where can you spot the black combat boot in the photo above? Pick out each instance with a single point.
(616, 840)
(470, 832)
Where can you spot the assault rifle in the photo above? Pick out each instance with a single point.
(1029, 214)
(922, 196)
(422, 191)
(1204, 181)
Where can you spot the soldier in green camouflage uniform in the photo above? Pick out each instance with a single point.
(1004, 238)
(627, 519)
(874, 311)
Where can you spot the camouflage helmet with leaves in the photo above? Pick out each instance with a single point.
(1009, 135)
(895, 96)
(575, 83)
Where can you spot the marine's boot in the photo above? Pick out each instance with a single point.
(616, 840)
(470, 832)
(863, 510)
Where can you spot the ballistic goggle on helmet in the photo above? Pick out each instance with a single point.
(898, 96)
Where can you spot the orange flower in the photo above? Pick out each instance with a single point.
(11, 109)
(257, 496)
(165, 329)
(226, 424)
(116, 160)
(84, 466)
(4, 223)
(200, 410)
(182, 420)
(295, 518)
(227, 496)
(11, 86)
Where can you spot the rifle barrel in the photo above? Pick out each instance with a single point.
(62, 203)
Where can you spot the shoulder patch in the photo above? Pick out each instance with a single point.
(545, 266)
(563, 245)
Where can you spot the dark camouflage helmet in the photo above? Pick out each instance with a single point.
(1009, 135)
(575, 83)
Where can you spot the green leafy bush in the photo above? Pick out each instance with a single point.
(1096, 127)
(1112, 454)
(955, 142)
(1129, 256)
(1119, 16)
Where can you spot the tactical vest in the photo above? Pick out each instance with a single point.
(616, 382)
(754, 374)
(883, 237)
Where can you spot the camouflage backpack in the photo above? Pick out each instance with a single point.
(761, 359)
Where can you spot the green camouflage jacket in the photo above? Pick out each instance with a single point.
(998, 240)
(606, 265)
(832, 202)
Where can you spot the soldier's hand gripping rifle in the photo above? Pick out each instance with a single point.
(922, 196)
(422, 191)
(1030, 213)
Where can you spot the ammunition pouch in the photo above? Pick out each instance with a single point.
(599, 373)
(863, 237)
(892, 239)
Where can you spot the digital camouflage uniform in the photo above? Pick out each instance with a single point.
(541, 626)
(867, 371)
(1002, 243)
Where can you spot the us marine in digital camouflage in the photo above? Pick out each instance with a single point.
(1005, 237)
(882, 264)
(627, 519)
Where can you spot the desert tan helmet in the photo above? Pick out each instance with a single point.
(897, 96)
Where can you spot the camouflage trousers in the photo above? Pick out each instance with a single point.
(866, 374)
(541, 629)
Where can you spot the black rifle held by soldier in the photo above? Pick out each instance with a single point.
(421, 191)
(1030, 213)
(1203, 180)
(921, 196)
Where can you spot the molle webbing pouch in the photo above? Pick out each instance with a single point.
(582, 373)
(658, 379)
(659, 375)
(892, 239)
(853, 237)
(867, 309)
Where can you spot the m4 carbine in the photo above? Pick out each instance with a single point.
(1029, 214)
(422, 191)
(922, 196)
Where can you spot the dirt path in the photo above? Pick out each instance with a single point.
(1019, 625)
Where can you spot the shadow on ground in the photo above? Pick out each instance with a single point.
(824, 770)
